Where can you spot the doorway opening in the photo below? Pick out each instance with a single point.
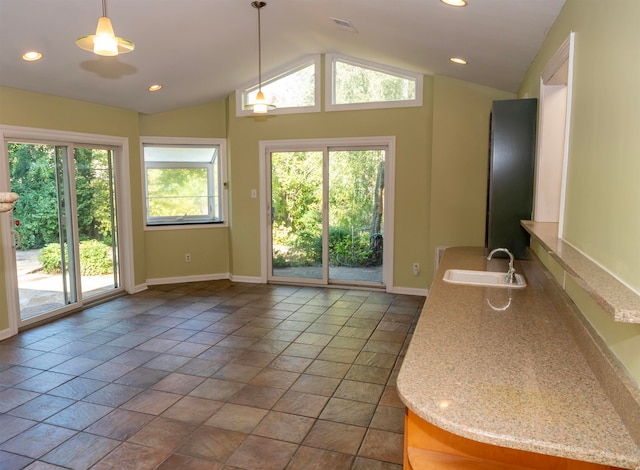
(327, 217)
(553, 136)
(63, 240)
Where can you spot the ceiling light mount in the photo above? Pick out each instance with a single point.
(105, 42)
(260, 106)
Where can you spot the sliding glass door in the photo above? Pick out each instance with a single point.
(65, 226)
(97, 221)
(356, 216)
(44, 233)
(326, 215)
(297, 215)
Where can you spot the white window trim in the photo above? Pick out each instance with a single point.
(222, 143)
(330, 60)
(275, 75)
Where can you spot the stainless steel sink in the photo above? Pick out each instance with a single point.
(482, 278)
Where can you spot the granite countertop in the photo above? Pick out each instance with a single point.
(500, 366)
(615, 298)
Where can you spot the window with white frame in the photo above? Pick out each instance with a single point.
(296, 89)
(358, 84)
(184, 181)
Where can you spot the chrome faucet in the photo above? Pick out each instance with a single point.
(511, 272)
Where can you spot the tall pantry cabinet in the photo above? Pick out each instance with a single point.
(511, 173)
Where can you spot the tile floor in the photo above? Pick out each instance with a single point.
(210, 375)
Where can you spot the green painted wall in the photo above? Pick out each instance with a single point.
(461, 113)
(29, 109)
(165, 250)
(206, 120)
(209, 247)
(603, 194)
(37, 110)
(412, 128)
(236, 249)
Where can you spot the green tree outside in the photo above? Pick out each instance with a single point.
(34, 177)
(355, 212)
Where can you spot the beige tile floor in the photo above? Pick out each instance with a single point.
(211, 375)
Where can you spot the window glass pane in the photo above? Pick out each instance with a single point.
(184, 183)
(177, 192)
(193, 154)
(358, 84)
(292, 89)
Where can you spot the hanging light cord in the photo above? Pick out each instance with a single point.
(261, 106)
(259, 7)
(104, 8)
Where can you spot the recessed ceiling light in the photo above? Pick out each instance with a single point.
(455, 3)
(155, 87)
(458, 60)
(31, 56)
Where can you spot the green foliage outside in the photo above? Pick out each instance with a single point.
(292, 90)
(95, 258)
(37, 175)
(353, 84)
(347, 248)
(177, 191)
(355, 192)
(356, 84)
(34, 178)
(296, 186)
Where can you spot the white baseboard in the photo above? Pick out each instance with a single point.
(408, 291)
(247, 279)
(251, 280)
(139, 288)
(179, 280)
(7, 333)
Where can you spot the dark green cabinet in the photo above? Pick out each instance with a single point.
(511, 174)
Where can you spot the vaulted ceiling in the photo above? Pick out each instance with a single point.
(201, 50)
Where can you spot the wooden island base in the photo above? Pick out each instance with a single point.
(427, 447)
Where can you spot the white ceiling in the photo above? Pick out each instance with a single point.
(201, 50)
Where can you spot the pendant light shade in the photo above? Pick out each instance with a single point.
(260, 106)
(105, 42)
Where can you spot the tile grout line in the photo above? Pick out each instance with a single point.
(398, 357)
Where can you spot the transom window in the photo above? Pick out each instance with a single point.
(294, 90)
(184, 182)
(357, 84)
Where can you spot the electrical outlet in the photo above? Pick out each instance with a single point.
(187, 257)
(416, 269)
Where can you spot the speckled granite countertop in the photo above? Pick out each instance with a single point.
(619, 301)
(511, 374)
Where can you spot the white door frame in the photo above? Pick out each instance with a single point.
(554, 127)
(123, 188)
(267, 146)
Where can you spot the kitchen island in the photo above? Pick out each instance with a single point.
(495, 374)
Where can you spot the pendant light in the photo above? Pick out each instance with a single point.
(105, 42)
(260, 106)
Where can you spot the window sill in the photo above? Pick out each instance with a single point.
(216, 225)
(620, 302)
